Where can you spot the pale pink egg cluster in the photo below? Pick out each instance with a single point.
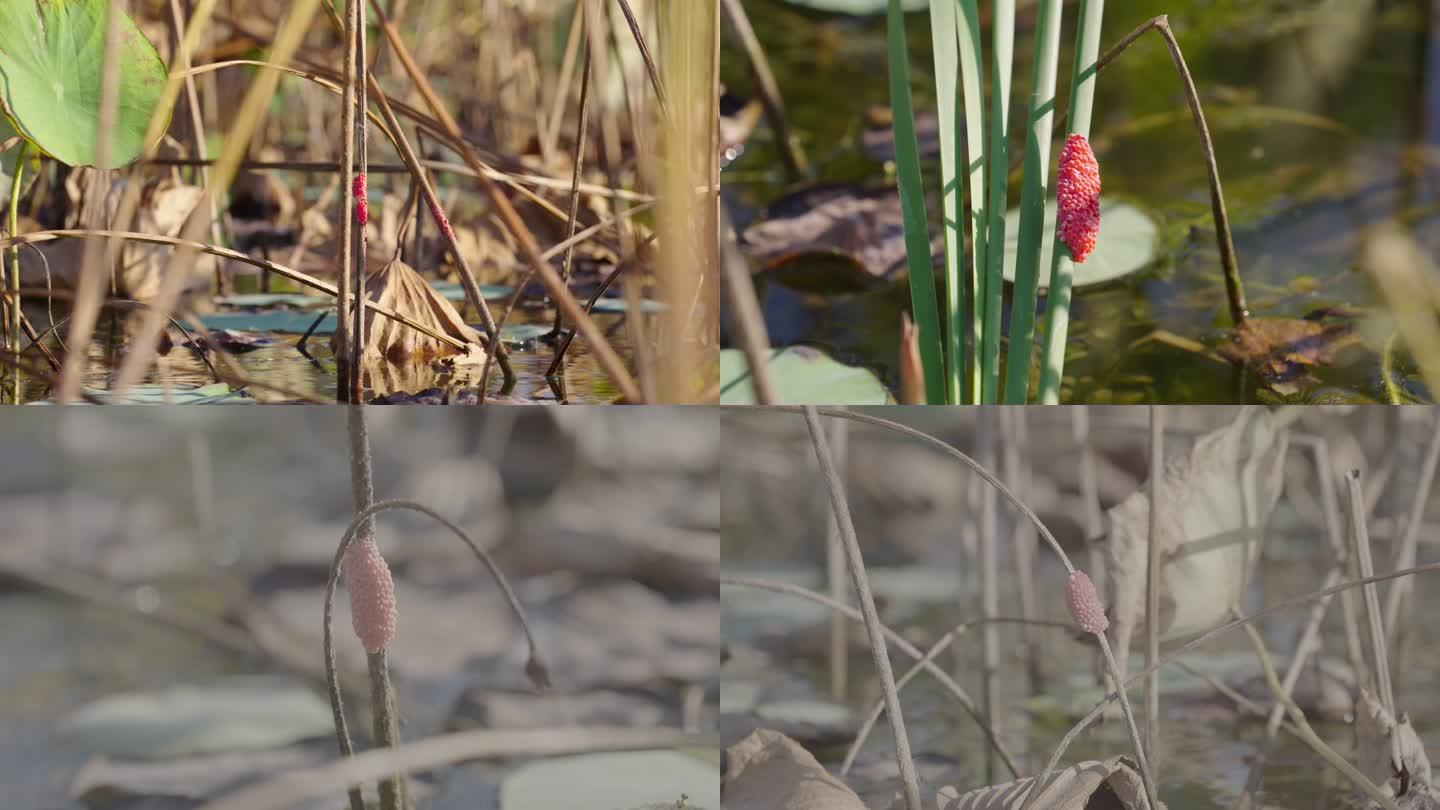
(1077, 193)
(372, 595)
(1084, 603)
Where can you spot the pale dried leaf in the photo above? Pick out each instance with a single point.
(1374, 729)
(1217, 499)
(163, 210)
(1112, 784)
(399, 288)
(769, 771)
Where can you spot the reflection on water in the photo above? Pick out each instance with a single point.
(1319, 121)
(288, 370)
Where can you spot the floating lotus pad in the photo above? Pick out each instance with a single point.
(235, 714)
(1126, 243)
(215, 393)
(627, 779)
(802, 375)
(52, 54)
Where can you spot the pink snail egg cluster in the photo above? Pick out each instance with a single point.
(1077, 193)
(1084, 603)
(362, 201)
(372, 595)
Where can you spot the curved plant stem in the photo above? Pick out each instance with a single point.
(1058, 295)
(861, 582)
(535, 667)
(901, 644)
(1234, 289)
(977, 467)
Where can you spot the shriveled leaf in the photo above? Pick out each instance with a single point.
(1126, 243)
(802, 375)
(769, 771)
(52, 55)
(866, 225)
(1217, 499)
(400, 289)
(629, 779)
(235, 714)
(1283, 350)
(164, 207)
(1377, 732)
(1111, 783)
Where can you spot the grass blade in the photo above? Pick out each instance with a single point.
(942, 35)
(1057, 301)
(912, 207)
(1032, 203)
(972, 82)
(997, 173)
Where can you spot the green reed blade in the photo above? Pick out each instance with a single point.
(1057, 301)
(1032, 203)
(997, 171)
(912, 208)
(942, 36)
(972, 80)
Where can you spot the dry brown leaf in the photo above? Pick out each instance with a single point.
(1409, 780)
(162, 211)
(1112, 784)
(1217, 499)
(399, 288)
(769, 771)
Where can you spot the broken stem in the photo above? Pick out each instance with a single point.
(1234, 289)
(1307, 734)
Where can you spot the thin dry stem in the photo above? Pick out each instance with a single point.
(1152, 580)
(861, 582)
(901, 643)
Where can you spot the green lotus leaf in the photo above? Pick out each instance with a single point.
(52, 55)
(1127, 243)
(803, 376)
